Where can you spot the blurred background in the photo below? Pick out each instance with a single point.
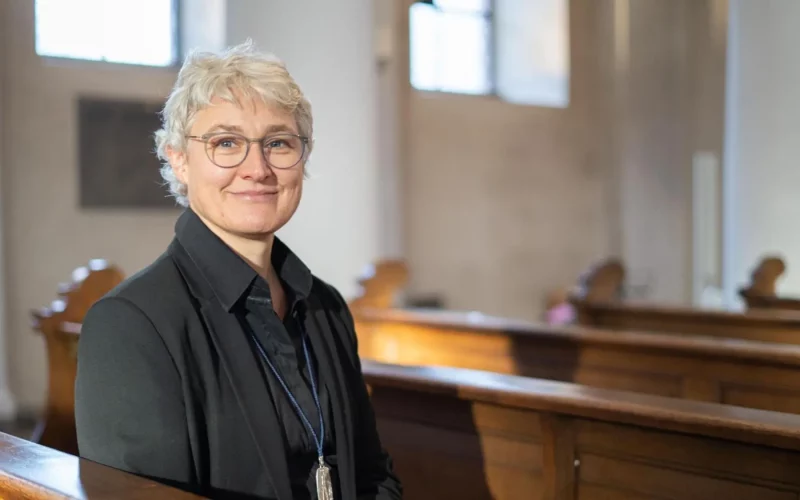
(499, 148)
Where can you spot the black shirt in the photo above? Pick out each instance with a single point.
(248, 297)
(282, 341)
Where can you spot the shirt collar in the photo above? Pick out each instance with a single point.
(227, 273)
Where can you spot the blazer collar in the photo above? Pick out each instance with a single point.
(228, 275)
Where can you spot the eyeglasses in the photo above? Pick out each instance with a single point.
(228, 150)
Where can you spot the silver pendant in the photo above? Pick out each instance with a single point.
(324, 486)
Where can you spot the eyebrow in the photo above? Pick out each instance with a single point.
(223, 127)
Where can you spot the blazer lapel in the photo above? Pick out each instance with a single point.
(330, 369)
(243, 372)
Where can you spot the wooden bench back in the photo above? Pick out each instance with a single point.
(773, 326)
(380, 284)
(594, 306)
(56, 428)
(736, 372)
(761, 293)
(456, 433)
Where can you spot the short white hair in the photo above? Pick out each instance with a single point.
(240, 70)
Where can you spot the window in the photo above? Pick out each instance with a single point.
(516, 49)
(141, 32)
(450, 46)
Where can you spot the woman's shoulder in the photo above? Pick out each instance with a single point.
(328, 295)
(331, 300)
(156, 293)
(158, 282)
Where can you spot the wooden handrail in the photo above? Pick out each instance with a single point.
(29, 471)
(774, 429)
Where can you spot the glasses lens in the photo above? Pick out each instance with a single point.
(227, 150)
(283, 151)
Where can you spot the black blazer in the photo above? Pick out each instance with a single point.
(168, 388)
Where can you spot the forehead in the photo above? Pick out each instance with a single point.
(249, 114)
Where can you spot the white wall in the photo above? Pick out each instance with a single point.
(762, 173)
(328, 47)
(506, 203)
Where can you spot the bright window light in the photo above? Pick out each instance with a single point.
(450, 44)
(140, 32)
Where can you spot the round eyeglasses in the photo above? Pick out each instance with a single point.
(228, 149)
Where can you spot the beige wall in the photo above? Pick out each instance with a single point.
(505, 202)
(670, 105)
(46, 234)
(7, 401)
(332, 59)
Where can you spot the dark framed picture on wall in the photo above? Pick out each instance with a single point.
(118, 166)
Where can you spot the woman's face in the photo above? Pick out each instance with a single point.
(251, 199)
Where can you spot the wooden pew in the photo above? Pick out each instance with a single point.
(729, 371)
(599, 305)
(456, 433)
(56, 427)
(29, 471)
(761, 293)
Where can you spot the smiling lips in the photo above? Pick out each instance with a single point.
(256, 194)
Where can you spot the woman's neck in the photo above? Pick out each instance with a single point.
(258, 254)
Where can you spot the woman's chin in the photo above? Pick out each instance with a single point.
(254, 227)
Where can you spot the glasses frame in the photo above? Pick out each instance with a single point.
(206, 137)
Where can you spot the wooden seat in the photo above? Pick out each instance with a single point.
(457, 433)
(56, 428)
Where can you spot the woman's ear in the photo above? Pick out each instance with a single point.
(177, 160)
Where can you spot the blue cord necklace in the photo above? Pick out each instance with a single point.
(323, 475)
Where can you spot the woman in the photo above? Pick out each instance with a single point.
(226, 367)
